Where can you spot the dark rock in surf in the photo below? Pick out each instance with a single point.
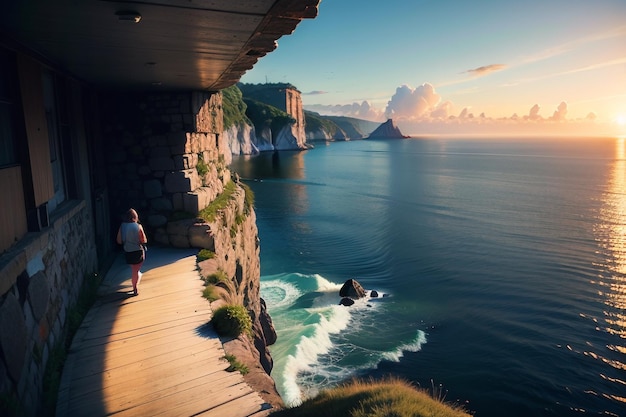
(352, 289)
(374, 294)
(346, 302)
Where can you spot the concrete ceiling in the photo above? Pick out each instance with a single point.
(177, 44)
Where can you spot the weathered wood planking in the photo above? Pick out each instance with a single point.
(153, 355)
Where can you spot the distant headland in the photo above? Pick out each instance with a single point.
(387, 130)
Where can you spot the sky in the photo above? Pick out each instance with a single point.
(552, 66)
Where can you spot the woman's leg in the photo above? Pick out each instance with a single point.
(135, 276)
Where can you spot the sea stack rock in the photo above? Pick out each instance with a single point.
(345, 301)
(352, 289)
(387, 130)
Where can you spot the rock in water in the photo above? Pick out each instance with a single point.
(387, 130)
(352, 289)
(346, 302)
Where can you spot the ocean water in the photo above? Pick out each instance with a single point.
(502, 263)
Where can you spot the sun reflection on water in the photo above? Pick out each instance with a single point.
(611, 235)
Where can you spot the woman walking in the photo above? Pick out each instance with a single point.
(133, 237)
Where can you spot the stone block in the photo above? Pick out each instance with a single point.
(13, 336)
(179, 241)
(160, 152)
(191, 202)
(177, 201)
(181, 181)
(156, 220)
(161, 164)
(180, 227)
(161, 204)
(152, 189)
(186, 161)
(161, 237)
(177, 141)
(200, 236)
(39, 294)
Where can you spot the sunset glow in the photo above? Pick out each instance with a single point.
(445, 66)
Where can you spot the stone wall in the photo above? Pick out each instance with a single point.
(166, 156)
(42, 277)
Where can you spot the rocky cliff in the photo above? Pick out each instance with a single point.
(167, 156)
(387, 130)
(234, 241)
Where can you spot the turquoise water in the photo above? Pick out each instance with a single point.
(502, 262)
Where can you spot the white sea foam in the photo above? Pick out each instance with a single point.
(414, 346)
(279, 294)
(316, 336)
(330, 320)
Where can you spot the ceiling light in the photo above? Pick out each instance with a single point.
(128, 16)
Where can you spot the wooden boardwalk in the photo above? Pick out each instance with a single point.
(152, 355)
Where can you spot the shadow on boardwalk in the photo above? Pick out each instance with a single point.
(154, 354)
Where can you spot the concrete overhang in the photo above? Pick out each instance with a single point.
(152, 45)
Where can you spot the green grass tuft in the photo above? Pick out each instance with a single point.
(210, 293)
(387, 398)
(235, 365)
(205, 254)
(216, 277)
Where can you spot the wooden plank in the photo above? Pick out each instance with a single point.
(36, 128)
(152, 355)
(13, 224)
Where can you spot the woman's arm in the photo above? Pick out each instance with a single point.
(142, 235)
(119, 236)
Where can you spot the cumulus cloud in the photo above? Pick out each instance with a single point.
(533, 114)
(443, 111)
(412, 104)
(487, 69)
(560, 112)
(423, 108)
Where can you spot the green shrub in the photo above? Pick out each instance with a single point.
(232, 320)
(216, 277)
(201, 168)
(210, 293)
(235, 365)
(205, 254)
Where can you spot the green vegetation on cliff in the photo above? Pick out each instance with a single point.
(339, 126)
(315, 122)
(234, 107)
(264, 116)
(260, 105)
(387, 398)
(259, 114)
